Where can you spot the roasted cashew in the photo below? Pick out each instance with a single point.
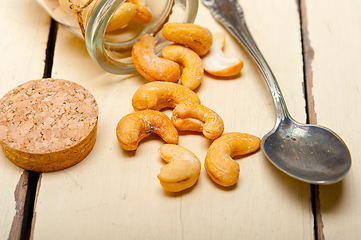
(150, 65)
(143, 14)
(159, 95)
(196, 117)
(83, 9)
(198, 38)
(220, 166)
(122, 17)
(193, 71)
(182, 170)
(134, 127)
(216, 63)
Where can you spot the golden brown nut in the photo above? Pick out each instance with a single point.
(220, 166)
(122, 17)
(198, 38)
(48, 124)
(183, 168)
(150, 65)
(193, 71)
(159, 95)
(84, 8)
(134, 127)
(196, 117)
(216, 63)
(143, 14)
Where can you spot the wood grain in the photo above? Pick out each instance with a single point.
(23, 43)
(308, 56)
(334, 33)
(21, 189)
(115, 194)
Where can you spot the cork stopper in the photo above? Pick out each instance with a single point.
(47, 124)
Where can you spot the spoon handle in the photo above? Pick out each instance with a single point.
(230, 14)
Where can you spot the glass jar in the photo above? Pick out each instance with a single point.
(111, 48)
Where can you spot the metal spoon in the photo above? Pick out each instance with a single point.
(310, 153)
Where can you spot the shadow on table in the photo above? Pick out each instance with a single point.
(331, 195)
(293, 189)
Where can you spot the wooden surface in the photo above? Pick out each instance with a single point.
(113, 194)
(24, 35)
(335, 35)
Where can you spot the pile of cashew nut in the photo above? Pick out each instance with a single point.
(130, 10)
(194, 50)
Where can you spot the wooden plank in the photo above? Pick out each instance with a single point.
(334, 33)
(114, 194)
(308, 55)
(24, 32)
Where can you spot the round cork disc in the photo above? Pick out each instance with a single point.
(48, 124)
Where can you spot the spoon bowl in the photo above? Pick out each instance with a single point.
(306, 152)
(310, 153)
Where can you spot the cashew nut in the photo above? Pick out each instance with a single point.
(150, 65)
(83, 9)
(198, 38)
(220, 166)
(143, 14)
(134, 127)
(196, 117)
(216, 63)
(122, 17)
(193, 71)
(159, 95)
(182, 170)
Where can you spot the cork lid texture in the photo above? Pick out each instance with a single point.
(46, 116)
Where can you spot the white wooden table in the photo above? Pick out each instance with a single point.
(113, 194)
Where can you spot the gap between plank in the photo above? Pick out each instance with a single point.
(308, 55)
(29, 204)
(21, 204)
(34, 177)
(49, 54)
